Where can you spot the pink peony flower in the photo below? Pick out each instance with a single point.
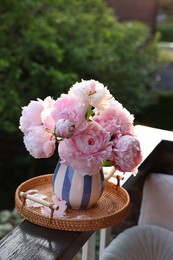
(59, 213)
(86, 150)
(91, 92)
(37, 113)
(61, 203)
(117, 120)
(64, 128)
(126, 154)
(39, 142)
(46, 211)
(68, 109)
(31, 116)
(46, 117)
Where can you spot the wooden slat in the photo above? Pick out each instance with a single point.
(29, 241)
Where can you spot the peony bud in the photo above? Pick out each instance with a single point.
(127, 154)
(64, 128)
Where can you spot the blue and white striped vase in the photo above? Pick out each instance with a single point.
(79, 192)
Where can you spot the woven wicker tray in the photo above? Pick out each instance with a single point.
(112, 208)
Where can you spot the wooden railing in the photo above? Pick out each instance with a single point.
(29, 241)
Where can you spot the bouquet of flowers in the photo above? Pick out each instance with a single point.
(90, 127)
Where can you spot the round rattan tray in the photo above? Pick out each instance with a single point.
(112, 208)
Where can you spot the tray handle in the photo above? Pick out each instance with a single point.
(112, 173)
(52, 206)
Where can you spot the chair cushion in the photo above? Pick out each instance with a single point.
(147, 242)
(157, 201)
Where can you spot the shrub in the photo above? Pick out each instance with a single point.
(8, 221)
(166, 31)
(45, 46)
(159, 114)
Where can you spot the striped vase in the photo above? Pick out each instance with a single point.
(79, 192)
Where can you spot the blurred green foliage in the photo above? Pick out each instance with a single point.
(8, 221)
(48, 45)
(159, 115)
(166, 31)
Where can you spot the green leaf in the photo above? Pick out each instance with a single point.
(106, 163)
(89, 113)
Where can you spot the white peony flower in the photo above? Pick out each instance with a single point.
(91, 92)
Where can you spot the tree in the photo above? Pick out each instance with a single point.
(47, 45)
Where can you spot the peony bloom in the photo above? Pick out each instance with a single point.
(68, 109)
(46, 211)
(64, 128)
(39, 142)
(126, 154)
(46, 117)
(91, 92)
(86, 150)
(31, 116)
(59, 213)
(37, 113)
(117, 120)
(61, 203)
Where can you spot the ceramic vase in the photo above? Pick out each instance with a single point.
(79, 192)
